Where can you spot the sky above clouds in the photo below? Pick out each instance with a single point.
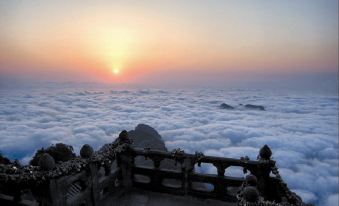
(167, 40)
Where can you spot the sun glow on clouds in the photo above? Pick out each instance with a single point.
(116, 71)
(133, 45)
(114, 47)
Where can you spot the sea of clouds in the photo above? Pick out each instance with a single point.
(300, 127)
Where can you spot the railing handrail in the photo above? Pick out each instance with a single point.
(202, 159)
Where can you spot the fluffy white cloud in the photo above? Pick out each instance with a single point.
(332, 200)
(301, 128)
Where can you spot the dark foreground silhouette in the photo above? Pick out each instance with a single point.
(137, 164)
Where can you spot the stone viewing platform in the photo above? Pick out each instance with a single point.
(138, 197)
(122, 174)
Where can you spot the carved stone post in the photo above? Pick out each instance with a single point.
(265, 185)
(126, 165)
(125, 158)
(219, 188)
(187, 170)
(95, 191)
(47, 193)
(155, 178)
(57, 196)
(86, 152)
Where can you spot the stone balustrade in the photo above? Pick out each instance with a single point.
(93, 177)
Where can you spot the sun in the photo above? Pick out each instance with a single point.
(116, 71)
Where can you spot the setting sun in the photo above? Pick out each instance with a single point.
(115, 71)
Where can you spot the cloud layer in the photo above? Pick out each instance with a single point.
(301, 128)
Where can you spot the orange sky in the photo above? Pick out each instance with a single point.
(88, 40)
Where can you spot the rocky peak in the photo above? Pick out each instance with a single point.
(145, 136)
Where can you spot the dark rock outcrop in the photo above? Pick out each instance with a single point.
(145, 136)
(255, 107)
(225, 106)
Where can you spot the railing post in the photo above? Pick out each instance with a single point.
(187, 170)
(86, 152)
(126, 165)
(155, 178)
(125, 158)
(219, 188)
(49, 192)
(264, 169)
(95, 192)
(57, 197)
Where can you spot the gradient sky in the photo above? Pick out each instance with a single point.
(158, 41)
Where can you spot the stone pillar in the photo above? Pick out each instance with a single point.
(155, 178)
(126, 162)
(95, 191)
(265, 182)
(125, 158)
(220, 188)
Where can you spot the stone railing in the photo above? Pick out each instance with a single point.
(94, 177)
(185, 177)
